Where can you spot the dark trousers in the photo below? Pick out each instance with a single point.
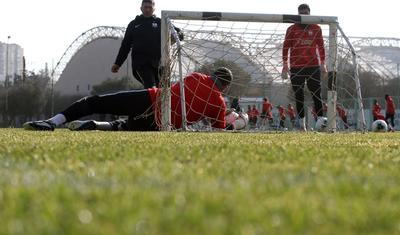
(147, 75)
(312, 77)
(391, 118)
(282, 122)
(136, 103)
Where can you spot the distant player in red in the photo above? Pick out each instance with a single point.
(343, 115)
(249, 112)
(303, 49)
(292, 114)
(252, 117)
(376, 111)
(266, 113)
(255, 113)
(203, 100)
(282, 116)
(390, 111)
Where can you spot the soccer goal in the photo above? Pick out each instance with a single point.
(251, 46)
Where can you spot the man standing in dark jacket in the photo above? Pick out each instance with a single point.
(143, 37)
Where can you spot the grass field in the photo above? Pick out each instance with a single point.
(66, 182)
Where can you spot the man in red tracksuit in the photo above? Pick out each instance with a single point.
(282, 116)
(305, 44)
(254, 114)
(203, 96)
(390, 111)
(266, 112)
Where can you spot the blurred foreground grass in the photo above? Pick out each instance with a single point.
(66, 182)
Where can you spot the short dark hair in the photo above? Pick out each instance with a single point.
(386, 96)
(224, 75)
(148, 1)
(303, 6)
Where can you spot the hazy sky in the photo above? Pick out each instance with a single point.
(45, 28)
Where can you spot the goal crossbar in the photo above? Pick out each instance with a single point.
(246, 17)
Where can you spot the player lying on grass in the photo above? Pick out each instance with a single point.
(203, 95)
(234, 121)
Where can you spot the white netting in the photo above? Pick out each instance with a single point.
(253, 51)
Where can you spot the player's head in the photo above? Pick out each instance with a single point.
(222, 76)
(375, 101)
(304, 9)
(147, 7)
(265, 99)
(386, 96)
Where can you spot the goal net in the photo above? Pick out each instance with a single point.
(250, 45)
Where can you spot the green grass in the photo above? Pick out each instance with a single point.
(66, 182)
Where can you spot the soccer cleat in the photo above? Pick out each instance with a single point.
(42, 125)
(78, 125)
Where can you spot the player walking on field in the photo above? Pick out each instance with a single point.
(266, 112)
(203, 96)
(390, 111)
(282, 116)
(303, 58)
(143, 38)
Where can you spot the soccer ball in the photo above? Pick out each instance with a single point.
(238, 120)
(242, 121)
(379, 126)
(321, 124)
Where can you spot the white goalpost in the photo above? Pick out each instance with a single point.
(251, 46)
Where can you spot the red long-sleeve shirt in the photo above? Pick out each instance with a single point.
(203, 100)
(303, 42)
(390, 108)
(377, 112)
(291, 112)
(267, 109)
(341, 112)
(254, 112)
(282, 113)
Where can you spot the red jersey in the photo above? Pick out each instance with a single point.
(291, 112)
(267, 108)
(203, 100)
(304, 41)
(341, 112)
(254, 112)
(390, 109)
(282, 114)
(377, 112)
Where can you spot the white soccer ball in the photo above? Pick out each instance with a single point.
(242, 121)
(238, 120)
(379, 126)
(321, 124)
